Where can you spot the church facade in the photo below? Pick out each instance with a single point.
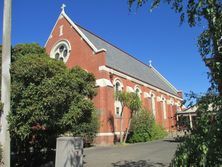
(115, 70)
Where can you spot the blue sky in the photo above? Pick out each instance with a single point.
(154, 36)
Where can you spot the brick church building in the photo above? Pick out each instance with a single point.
(114, 70)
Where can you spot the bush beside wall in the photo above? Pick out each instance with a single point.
(144, 128)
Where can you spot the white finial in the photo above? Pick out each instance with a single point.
(63, 7)
(150, 63)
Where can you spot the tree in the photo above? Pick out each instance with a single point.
(133, 102)
(122, 97)
(203, 146)
(48, 100)
(21, 50)
(209, 12)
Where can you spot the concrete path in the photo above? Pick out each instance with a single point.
(155, 153)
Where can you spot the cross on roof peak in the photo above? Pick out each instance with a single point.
(63, 7)
(150, 63)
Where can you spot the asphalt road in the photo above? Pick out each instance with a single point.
(155, 153)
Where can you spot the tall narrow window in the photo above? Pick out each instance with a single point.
(178, 106)
(138, 91)
(61, 30)
(164, 108)
(117, 104)
(170, 113)
(117, 87)
(153, 105)
(117, 111)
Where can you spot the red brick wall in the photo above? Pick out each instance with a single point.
(82, 55)
(170, 110)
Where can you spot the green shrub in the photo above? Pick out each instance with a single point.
(203, 146)
(87, 130)
(48, 101)
(144, 128)
(158, 132)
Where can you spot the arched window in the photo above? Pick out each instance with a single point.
(178, 106)
(171, 101)
(61, 51)
(138, 91)
(163, 99)
(153, 104)
(118, 87)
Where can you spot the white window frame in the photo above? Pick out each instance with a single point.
(120, 84)
(55, 48)
(153, 104)
(139, 92)
(117, 103)
(178, 106)
(163, 99)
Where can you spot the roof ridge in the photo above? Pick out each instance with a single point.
(139, 79)
(81, 33)
(63, 14)
(154, 69)
(106, 46)
(113, 45)
(164, 79)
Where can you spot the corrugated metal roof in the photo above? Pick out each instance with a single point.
(123, 62)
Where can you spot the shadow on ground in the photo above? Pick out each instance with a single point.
(140, 163)
(171, 140)
(175, 140)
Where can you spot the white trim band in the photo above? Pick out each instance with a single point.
(129, 89)
(103, 82)
(147, 95)
(112, 71)
(108, 134)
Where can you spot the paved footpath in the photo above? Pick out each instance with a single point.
(150, 154)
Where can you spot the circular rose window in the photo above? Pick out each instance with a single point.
(61, 51)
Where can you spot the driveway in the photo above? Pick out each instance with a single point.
(150, 154)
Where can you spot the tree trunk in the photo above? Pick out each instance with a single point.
(121, 127)
(127, 131)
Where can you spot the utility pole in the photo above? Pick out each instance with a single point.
(6, 81)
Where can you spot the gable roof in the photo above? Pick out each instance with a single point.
(122, 61)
